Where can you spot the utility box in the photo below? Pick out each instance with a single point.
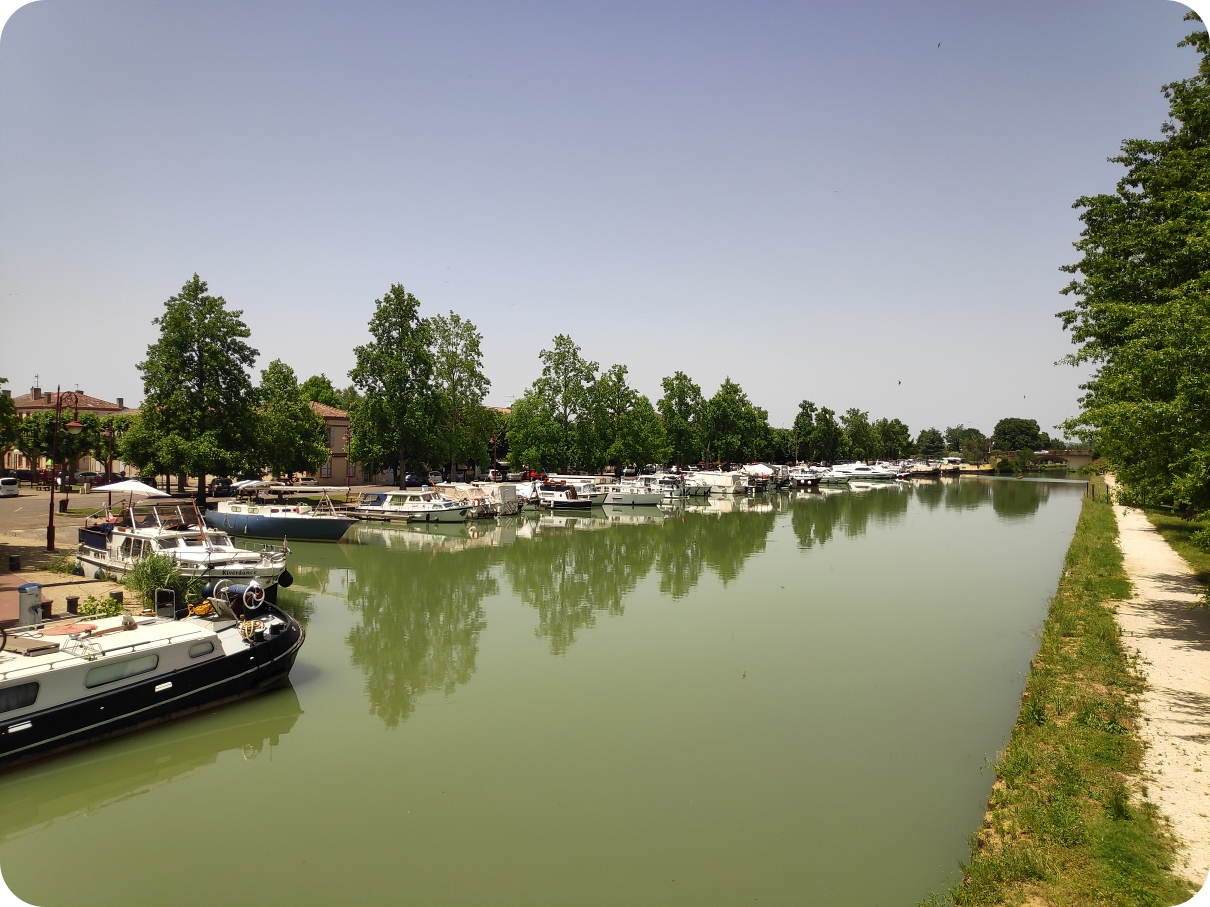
(29, 612)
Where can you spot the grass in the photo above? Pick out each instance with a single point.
(1067, 822)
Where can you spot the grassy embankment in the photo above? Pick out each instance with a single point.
(1066, 822)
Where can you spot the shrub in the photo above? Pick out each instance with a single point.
(100, 607)
(159, 571)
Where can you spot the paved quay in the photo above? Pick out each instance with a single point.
(1173, 644)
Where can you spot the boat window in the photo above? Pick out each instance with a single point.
(235, 508)
(198, 649)
(120, 670)
(192, 543)
(18, 697)
(219, 538)
(167, 543)
(126, 547)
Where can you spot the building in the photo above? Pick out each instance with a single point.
(39, 401)
(338, 470)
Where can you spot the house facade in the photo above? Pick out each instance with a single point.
(339, 470)
(38, 400)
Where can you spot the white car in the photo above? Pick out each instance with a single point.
(10, 487)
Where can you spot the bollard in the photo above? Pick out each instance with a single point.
(46, 606)
(30, 610)
(62, 505)
(73, 604)
(116, 595)
(14, 563)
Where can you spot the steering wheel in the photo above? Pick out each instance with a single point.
(254, 596)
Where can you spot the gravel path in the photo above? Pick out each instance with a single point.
(1174, 645)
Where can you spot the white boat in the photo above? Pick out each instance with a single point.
(632, 494)
(561, 496)
(670, 487)
(415, 505)
(724, 482)
(696, 485)
(585, 486)
(113, 543)
(865, 472)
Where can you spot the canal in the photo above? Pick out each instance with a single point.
(793, 699)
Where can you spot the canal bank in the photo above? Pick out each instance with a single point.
(1071, 818)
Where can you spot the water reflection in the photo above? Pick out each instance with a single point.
(816, 516)
(83, 782)
(421, 611)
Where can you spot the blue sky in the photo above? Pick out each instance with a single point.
(814, 199)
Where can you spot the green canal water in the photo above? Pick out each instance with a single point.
(792, 700)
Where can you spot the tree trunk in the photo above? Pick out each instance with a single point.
(201, 491)
(402, 473)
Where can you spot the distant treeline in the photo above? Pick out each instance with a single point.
(416, 401)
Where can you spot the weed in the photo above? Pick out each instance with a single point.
(100, 607)
(159, 571)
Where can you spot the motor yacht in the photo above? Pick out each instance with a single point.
(560, 495)
(248, 515)
(632, 494)
(413, 505)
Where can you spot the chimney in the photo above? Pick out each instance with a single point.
(121, 403)
(36, 393)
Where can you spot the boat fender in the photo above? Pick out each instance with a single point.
(254, 596)
(286, 580)
(207, 591)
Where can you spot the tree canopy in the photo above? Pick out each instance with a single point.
(1017, 434)
(393, 424)
(291, 436)
(198, 414)
(1141, 304)
(681, 409)
(551, 425)
(461, 385)
(319, 389)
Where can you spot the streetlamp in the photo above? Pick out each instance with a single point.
(109, 434)
(73, 428)
(348, 466)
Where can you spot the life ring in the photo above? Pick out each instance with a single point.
(254, 596)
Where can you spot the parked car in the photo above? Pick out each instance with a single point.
(413, 481)
(10, 487)
(219, 488)
(87, 475)
(436, 478)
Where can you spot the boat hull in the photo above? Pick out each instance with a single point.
(252, 525)
(245, 673)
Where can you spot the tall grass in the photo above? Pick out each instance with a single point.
(159, 571)
(1067, 821)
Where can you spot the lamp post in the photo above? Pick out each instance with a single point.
(109, 433)
(348, 466)
(73, 428)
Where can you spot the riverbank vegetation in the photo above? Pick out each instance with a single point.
(1067, 821)
(1141, 311)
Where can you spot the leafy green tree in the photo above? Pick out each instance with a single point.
(804, 430)
(627, 427)
(827, 437)
(35, 438)
(863, 441)
(348, 396)
(319, 389)
(291, 436)
(9, 422)
(394, 423)
(458, 373)
(974, 445)
(733, 429)
(681, 408)
(1016, 434)
(894, 439)
(552, 422)
(931, 443)
(1141, 310)
(198, 402)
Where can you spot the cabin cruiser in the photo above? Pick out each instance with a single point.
(804, 476)
(413, 505)
(585, 486)
(865, 472)
(670, 487)
(561, 496)
(696, 485)
(67, 683)
(632, 494)
(247, 515)
(112, 544)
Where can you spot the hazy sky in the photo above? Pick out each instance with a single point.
(820, 200)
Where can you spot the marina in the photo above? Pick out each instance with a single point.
(722, 694)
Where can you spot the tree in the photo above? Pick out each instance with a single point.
(458, 374)
(9, 422)
(681, 408)
(827, 438)
(1016, 434)
(733, 429)
(318, 389)
(894, 439)
(198, 403)
(291, 436)
(393, 424)
(552, 424)
(974, 445)
(931, 443)
(1141, 310)
(627, 428)
(863, 441)
(804, 430)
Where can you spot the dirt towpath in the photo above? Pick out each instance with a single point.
(1174, 644)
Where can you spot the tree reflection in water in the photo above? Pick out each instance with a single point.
(815, 517)
(421, 616)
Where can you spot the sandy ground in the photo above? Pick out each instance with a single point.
(1174, 647)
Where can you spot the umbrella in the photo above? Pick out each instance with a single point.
(130, 486)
